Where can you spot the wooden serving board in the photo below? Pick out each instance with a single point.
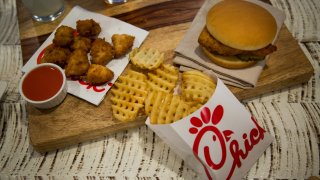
(76, 121)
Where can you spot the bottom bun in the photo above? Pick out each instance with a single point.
(230, 62)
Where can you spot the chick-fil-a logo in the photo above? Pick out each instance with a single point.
(95, 88)
(208, 123)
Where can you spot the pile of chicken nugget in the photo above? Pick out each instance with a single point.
(70, 48)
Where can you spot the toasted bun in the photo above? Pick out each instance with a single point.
(230, 62)
(241, 24)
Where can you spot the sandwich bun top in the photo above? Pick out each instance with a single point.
(241, 24)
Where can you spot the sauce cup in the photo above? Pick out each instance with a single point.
(44, 86)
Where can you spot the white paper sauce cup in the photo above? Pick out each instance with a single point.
(44, 86)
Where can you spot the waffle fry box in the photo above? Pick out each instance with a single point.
(221, 140)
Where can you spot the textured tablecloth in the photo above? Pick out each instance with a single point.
(291, 115)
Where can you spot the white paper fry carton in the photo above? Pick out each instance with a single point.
(109, 26)
(221, 140)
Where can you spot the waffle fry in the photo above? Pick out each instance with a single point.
(163, 79)
(194, 106)
(197, 86)
(146, 58)
(154, 94)
(128, 95)
(165, 108)
(125, 111)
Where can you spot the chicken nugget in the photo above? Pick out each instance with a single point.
(81, 43)
(88, 27)
(122, 43)
(101, 52)
(56, 55)
(63, 36)
(98, 74)
(78, 64)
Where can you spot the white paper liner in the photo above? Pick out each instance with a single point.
(109, 26)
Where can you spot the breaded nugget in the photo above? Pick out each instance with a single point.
(81, 43)
(63, 36)
(56, 55)
(78, 64)
(98, 74)
(122, 43)
(88, 27)
(101, 52)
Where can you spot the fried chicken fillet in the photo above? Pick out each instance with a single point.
(214, 46)
(78, 64)
(98, 74)
(122, 43)
(55, 54)
(101, 52)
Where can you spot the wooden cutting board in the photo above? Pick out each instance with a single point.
(76, 121)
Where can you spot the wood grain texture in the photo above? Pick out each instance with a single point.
(10, 64)
(9, 33)
(142, 12)
(139, 153)
(74, 121)
(77, 121)
(290, 114)
(304, 92)
(294, 139)
(286, 67)
(304, 27)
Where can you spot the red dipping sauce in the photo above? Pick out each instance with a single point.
(42, 83)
